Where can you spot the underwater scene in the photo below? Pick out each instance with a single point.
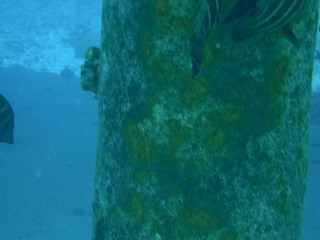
(49, 117)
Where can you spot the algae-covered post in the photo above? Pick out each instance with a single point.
(203, 119)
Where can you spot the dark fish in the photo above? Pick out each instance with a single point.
(206, 13)
(266, 16)
(240, 9)
(6, 121)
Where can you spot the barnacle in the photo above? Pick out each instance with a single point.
(206, 13)
(90, 70)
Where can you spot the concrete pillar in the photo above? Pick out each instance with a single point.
(203, 124)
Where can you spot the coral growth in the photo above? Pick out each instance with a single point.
(90, 70)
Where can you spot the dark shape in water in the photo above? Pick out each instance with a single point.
(6, 121)
(206, 13)
(266, 16)
(67, 73)
(240, 9)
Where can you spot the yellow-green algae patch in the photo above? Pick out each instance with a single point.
(194, 91)
(138, 209)
(141, 148)
(229, 235)
(163, 53)
(275, 84)
(191, 222)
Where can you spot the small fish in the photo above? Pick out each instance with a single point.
(6, 121)
(266, 16)
(206, 13)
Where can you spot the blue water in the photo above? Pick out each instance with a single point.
(46, 176)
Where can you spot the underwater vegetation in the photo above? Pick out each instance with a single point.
(6, 121)
(251, 17)
(90, 70)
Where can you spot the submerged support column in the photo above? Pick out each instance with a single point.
(203, 128)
